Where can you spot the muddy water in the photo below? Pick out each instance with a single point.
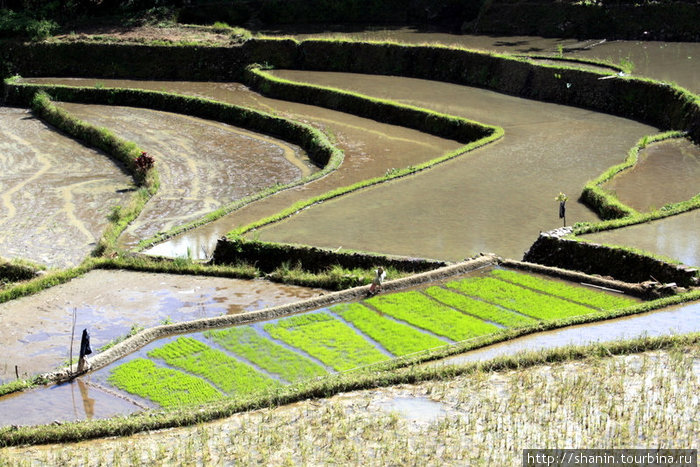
(55, 194)
(681, 319)
(675, 237)
(203, 165)
(667, 172)
(35, 331)
(371, 148)
(76, 400)
(496, 199)
(666, 61)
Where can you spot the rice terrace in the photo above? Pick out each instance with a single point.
(392, 232)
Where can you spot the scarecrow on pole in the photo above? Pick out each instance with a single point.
(561, 197)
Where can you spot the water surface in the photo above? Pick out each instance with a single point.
(495, 199)
(676, 237)
(35, 331)
(666, 172)
(680, 319)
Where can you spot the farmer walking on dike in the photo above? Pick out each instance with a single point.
(376, 286)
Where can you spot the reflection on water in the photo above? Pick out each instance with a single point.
(665, 61)
(674, 237)
(667, 172)
(495, 199)
(75, 400)
(680, 319)
(419, 409)
(36, 330)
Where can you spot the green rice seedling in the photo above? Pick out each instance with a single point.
(246, 342)
(518, 298)
(397, 338)
(164, 386)
(478, 308)
(229, 374)
(595, 298)
(426, 313)
(331, 341)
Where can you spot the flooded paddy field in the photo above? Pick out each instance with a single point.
(667, 172)
(679, 319)
(203, 165)
(666, 61)
(36, 330)
(484, 415)
(266, 355)
(494, 199)
(55, 194)
(673, 237)
(371, 148)
(497, 198)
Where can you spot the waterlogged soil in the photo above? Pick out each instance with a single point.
(666, 61)
(674, 237)
(203, 165)
(36, 330)
(680, 319)
(457, 421)
(371, 148)
(75, 400)
(495, 199)
(666, 172)
(55, 194)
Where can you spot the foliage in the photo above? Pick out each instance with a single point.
(479, 308)
(274, 358)
(397, 338)
(586, 296)
(227, 373)
(144, 162)
(166, 387)
(24, 25)
(518, 298)
(329, 340)
(424, 312)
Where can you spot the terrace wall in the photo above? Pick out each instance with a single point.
(269, 256)
(658, 104)
(552, 250)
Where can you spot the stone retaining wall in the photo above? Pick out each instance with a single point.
(552, 250)
(269, 256)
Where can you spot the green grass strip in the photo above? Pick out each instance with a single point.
(247, 343)
(164, 386)
(426, 313)
(397, 338)
(518, 298)
(580, 294)
(334, 343)
(229, 374)
(478, 308)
